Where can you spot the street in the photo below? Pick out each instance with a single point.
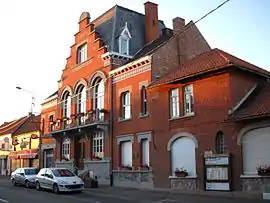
(11, 194)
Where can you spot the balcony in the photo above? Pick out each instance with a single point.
(81, 120)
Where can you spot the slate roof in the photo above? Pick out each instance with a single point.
(212, 60)
(32, 124)
(11, 127)
(257, 105)
(109, 25)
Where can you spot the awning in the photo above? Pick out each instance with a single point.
(13, 156)
(3, 156)
(28, 156)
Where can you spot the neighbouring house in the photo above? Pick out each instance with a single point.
(6, 131)
(92, 117)
(48, 143)
(25, 141)
(210, 124)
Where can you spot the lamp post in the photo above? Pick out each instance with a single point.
(41, 130)
(33, 98)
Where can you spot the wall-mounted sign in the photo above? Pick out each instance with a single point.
(34, 136)
(6, 139)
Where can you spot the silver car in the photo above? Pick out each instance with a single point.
(24, 176)
(58, 180)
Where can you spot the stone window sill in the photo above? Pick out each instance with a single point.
(143, 115)
(132, 171)
(187, 177)
(123, 119)
(253, 176)
(182, 117)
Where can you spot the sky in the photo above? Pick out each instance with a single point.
(35, 39)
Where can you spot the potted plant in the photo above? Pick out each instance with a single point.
(263, 170)
(91, 111)
(103, 110)
(97, 158)
(180, 172)
(81, 114)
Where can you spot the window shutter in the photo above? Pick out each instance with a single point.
(145, 152)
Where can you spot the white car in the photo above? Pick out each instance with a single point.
(58, 180)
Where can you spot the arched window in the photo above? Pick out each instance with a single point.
(221, 147)
(143, 101)
(81, 99)
(183, 155)
(98, 93)
(66, 102)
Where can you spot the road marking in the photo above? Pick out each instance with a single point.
(3, 200)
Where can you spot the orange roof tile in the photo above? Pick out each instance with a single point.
(212, 60)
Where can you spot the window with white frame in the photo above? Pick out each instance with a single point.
(66, 148)
(188, 100)
(220, 143)
(145, 151)
(82, 53)
(81, 100)
(174, 102)
(51, 123)
(98, 144)
(126, 153)
(124, 40)
(143, 101)
(99, 90)
(66, 105)
(126, 107)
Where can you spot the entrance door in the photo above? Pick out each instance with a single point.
(48, 158)
(79, 153)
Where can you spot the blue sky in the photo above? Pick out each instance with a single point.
(35, 38)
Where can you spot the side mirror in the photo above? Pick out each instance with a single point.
(50, 176)
(22, 174)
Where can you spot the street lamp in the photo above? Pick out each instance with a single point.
(33, 98)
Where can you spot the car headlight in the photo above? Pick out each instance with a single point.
(63, 182)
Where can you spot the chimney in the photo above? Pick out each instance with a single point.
(178, 25)
(151, 21)
(84, 20)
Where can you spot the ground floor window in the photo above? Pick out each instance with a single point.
(255, 150)
(66, 148)
(48, 158)
(183, 155)
(145, 158)
(126, 153)
(98, 145)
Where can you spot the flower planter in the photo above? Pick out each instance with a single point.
(181, 174)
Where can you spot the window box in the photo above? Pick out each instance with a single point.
(91, 111)
(180, 172)
(96, 158)
(64, 158)
(58, 120)
(103, 111)
(80, 114)
(73, 116)
(65, 118)
(126, 167)
(263, 170)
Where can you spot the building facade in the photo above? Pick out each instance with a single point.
(210, 108)
(25, 141)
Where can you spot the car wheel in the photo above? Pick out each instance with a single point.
(38, 186)
(14, 182)
(27, 184)
(55, 188)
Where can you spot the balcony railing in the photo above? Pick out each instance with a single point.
(81, 119)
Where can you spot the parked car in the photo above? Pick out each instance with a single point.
(58, 180)
(24, 176)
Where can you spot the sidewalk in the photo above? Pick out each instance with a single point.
(175, 192)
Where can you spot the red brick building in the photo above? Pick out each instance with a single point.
(113, 59)
(214, 105)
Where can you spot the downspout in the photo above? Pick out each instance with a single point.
(111, 102)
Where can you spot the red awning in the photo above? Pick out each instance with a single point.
(28, 156)
(13, 156)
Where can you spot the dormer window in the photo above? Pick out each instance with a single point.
(82, 53)
(124, 41)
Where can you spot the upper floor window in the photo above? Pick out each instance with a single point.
(124, 40)
(188, 100)
(143, 101)
(66, 105)
(125, 104)
(81, 99)
(221, 147)
(174, 103)
(51, 123)
(82, 53)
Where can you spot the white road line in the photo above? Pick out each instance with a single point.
(3, 200)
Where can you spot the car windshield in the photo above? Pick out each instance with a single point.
(62, 173)
(30, 171)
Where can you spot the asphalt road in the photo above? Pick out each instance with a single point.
(11, 194)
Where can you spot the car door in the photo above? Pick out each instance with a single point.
(17, 175)
(49, 180)
(41, 177)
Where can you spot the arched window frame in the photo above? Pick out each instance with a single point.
(143, 101)
(81, 98)
(221, 147)
(65, 151)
